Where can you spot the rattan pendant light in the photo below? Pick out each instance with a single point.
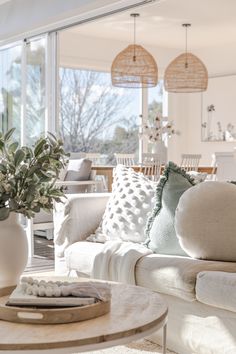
(134, 67)
(186, 73)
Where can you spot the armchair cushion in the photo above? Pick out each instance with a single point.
(78, 170)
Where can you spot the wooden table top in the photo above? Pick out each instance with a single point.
(135, 312)
(207, 169)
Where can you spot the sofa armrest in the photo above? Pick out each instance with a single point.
(78, 217)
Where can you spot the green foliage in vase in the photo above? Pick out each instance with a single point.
(28, 175)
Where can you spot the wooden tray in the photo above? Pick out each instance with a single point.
(49, 316)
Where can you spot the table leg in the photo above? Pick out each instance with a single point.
(164, 339)
(110, 180)
(107, 173)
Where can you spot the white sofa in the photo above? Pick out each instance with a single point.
(194, 326)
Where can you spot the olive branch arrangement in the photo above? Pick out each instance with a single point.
(28, 175)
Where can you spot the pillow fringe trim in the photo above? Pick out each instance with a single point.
(170, 167)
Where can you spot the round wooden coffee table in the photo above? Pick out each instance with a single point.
(135, 313)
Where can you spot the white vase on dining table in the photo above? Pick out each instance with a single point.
(159, 148)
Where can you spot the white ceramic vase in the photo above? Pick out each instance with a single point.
(13, 250)
(160, 148)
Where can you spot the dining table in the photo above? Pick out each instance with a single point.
(107, 171)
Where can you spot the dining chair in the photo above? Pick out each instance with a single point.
(125, 159)
(94, 157)
(151, 166)
(190, 162)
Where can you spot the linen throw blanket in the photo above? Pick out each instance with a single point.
(117, 260)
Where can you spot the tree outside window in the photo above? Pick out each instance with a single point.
(96, 117)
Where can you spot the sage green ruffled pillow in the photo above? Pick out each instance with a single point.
(160, 229)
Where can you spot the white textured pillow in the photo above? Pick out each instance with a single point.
(205, 221)
(128, 208)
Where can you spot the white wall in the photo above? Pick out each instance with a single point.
(185, 109)
(178, 113)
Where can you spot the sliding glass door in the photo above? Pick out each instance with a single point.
(26, 84)
(10, 89)
(35, 90)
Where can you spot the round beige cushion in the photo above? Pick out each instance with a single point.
(205, 221)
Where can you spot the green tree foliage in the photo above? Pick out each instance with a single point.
(124, 140)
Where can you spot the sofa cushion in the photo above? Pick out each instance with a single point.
(128, 208)
(80, 256)
(206, 223)
(175, 275)
(217, 289)
(160, 227)
(197, 176)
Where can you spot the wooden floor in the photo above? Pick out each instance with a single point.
(44, 256)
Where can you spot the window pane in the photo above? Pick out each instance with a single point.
(97, 117)
(35, 90)
(10, 89)
(157, 105)
(156, 102)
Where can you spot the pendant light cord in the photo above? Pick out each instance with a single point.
(186, 47)
(134, 58)
(134, 16)
(186, 25)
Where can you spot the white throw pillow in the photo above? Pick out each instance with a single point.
(198, 176)
(205, 221)
(128, 208)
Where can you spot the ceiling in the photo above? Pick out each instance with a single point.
(213, 24)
